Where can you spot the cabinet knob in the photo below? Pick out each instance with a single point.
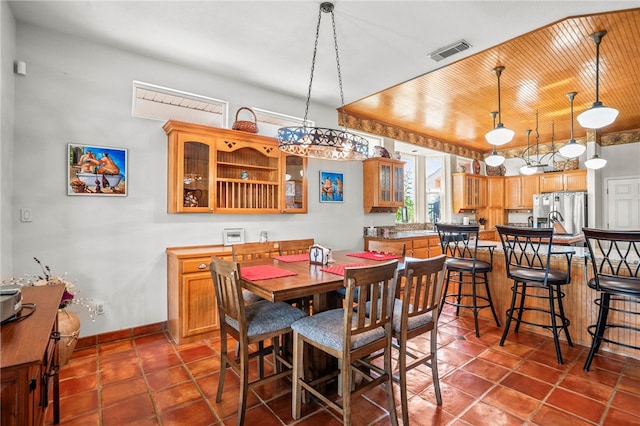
(203, 266)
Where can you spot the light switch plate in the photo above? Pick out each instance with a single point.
(25, 215)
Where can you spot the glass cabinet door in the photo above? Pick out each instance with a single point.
(385, 183)
(195, 179)
(295, 184)
(398, 185)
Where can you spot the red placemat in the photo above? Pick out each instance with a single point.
(293, 257)
(264, 272)
(339, 270)
(373, 255)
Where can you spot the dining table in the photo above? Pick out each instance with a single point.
(283, 278)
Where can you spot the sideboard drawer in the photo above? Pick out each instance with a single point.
(197, 264)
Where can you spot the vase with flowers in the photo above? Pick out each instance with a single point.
(68, 322)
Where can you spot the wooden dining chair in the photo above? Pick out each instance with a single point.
(350, 335)
(389, 247)
(248, 325)
(295, 246)
(252, 251)
(414, 315)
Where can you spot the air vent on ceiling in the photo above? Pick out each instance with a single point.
(447, 51)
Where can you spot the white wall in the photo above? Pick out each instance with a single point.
(79, 92)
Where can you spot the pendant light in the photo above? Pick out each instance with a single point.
(499, 135)
(320, 142)
(572, 149)
(595, 162)
(495, 159)
(598, 115)
(527, 169)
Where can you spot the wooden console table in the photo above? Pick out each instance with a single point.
(29, 359)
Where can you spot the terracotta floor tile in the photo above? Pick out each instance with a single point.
(514, 348)
(595, 374)
(510, 400)
(539, 371)
(586, 387)
(484, 414)
(576, 404)
(75, 405)
(468, 348)
(468, 383)
(258, 415)
(79, 367)
(116, 373)
(425, 412)
(195, 353)
(122, 390)
(176, 395)
(198, 413)
(79, 384)
(627, 402)
(453, 357)
(454, 401)
(228, 406)
(115, 347)
(160, 362)
(548, 415)
(281, 406)
(162, 379)
(319, 418)
(534, 388)
(486, 369)
(500, 358)
(128, 411)
(629, 385)
(617, 417)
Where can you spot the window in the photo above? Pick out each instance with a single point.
(464, 165)
(269, 122)
(433, 189)
(409, 189)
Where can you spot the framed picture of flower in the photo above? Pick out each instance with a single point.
(331, 187)
(96, 170)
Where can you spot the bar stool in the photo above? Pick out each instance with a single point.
(527, 253)
(615, 258)
(459, 244)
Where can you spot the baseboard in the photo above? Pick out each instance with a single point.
(127, 333)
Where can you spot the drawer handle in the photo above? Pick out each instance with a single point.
(203, 266)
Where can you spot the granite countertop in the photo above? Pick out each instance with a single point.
(412, 234)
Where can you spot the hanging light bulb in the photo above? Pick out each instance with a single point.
(527, 169)
(495, 159)
(598, 115)
(499, 135)
(572, 148)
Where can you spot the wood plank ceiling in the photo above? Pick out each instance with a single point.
(449, 109)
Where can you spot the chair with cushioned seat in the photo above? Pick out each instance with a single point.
(528, 253)
(465, 271)
(389, 247)
(251, 251)
(415, 314)
(295, 246)
(248, 325)
(615, 261)
(350, 335)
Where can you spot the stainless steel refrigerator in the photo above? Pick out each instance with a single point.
(568, 208)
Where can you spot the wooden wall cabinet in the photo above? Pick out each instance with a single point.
(519, 191)
(191, 300)
(383, 180)
(29, 360)
(469, 191)
(571, 180)
(213, 170)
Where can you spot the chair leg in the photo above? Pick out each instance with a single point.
(444, 291)
(402, 371)
(493, 310)
(223, 365)
(434, 366)
(460, 279)
(475, 303)
(554, 326)
(603, 313)
(389, 386)
(297, 375)
(514, 294)
(244, 387)
(565, 321)
(344, 386)
(521, 309)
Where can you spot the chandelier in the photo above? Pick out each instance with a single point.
(547, 159)
(598, 115)
(528, 168)
(320, 142)
(499, 135)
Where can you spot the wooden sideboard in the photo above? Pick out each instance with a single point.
(29, 359)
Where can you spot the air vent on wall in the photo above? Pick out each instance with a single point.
(447, 51)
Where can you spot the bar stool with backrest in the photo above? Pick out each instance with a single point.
(528, 253)
(460, 244)
(615, 259)
(295, 246)
(350, 335)
(415, 314)
(251, 251)
(248, 325)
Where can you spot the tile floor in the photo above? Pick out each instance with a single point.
(148, 380)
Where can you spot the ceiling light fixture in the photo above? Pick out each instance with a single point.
(595, 162)
(572, 149)
(499, 135)
(320, 142)
(598, 115)
(528, 168)
(495, 159)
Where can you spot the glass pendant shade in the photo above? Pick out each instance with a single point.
(597, 116)
(500, 135)
(528, 170)
(595, 162)
(572, 149)
(494, 160)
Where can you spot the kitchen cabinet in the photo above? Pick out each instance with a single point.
(383, 180)
(420, 246)
(571, 180)
(213, 170)
(494, 213)
(519, 191)
(191, 302)
(469, 191)
(29, 360)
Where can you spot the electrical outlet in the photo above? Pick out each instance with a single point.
(98, 307)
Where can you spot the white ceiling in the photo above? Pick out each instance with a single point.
(270, 43)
